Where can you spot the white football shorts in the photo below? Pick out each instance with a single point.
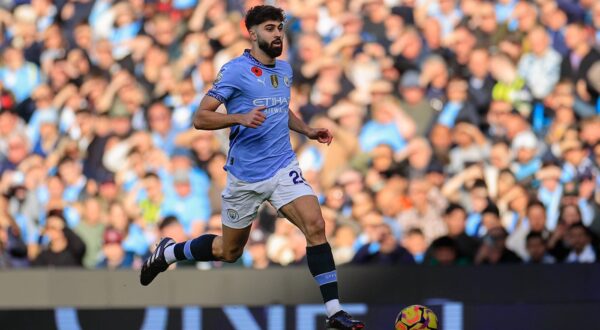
(241, 200)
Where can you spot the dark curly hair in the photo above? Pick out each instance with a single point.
(260, 14)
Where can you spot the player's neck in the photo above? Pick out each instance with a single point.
(261, 56)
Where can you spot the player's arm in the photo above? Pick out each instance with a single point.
(298, 125)
(206, 117)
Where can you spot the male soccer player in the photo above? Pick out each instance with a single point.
(255, 88)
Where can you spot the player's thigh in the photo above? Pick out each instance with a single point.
(305, 213)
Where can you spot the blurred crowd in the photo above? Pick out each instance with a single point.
(465, 131)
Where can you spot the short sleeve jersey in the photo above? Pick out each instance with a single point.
(242, 84)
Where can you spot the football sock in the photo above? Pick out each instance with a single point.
(198, 249)
(322, 268)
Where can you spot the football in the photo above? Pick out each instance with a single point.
(416, 317)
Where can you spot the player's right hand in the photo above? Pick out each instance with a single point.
(254, 118)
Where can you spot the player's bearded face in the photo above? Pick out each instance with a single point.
(273, 48)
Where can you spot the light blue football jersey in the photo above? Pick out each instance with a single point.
(256, 154)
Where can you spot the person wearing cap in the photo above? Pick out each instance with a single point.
(113, 254)
(414, 103)
(525, 149)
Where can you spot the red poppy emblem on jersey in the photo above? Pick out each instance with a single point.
(257, 71)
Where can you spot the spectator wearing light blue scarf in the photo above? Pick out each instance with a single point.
(527, 161)
(458, 108)
(17, 75)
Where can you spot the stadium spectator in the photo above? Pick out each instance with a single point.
(13, 250)
(493, 249)
(580, 240)
(414, 103)
(444, 251)
(533, 221)
(537, 252)
(257, 251)
(65, 248)
(414, 242)
(425, 213)
(392, 125)
(114, 256)
(91, 229)
(132, 235)
(385, 250)
(540, 67)
(455, 218)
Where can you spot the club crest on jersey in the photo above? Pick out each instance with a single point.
(233, 215)
(274, 81)
(286, 81)
(257, 71)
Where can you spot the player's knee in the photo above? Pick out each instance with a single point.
(315, 229)
(232, 255)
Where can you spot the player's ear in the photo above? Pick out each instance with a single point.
(252, 33)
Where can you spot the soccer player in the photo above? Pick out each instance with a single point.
(261, 165)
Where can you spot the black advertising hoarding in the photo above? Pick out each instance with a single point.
(452, 316)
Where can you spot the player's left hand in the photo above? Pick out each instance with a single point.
(323, 135)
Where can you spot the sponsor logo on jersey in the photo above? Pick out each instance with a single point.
(286, 81)
(271, 101)
(274, 81)
(273, 104)
(257, 71)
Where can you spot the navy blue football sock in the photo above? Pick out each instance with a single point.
(199, 249)
(322, 268)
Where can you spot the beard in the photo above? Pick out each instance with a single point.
(270, 49)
